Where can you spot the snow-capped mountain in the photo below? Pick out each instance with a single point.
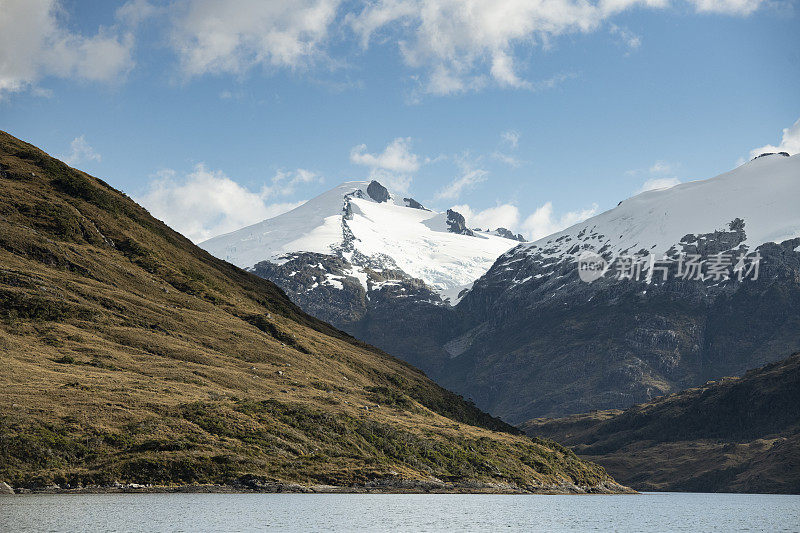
(373, 230)
(764, 194)
(537, 340)
(529, 337)
(373, 263)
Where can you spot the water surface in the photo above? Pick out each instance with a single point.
(393, 512)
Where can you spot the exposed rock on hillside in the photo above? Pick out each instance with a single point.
(377, 192)
(457, 224)
(410, 202)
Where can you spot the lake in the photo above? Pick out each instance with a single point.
(399, 512)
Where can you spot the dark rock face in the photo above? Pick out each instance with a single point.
(410, 202)
(784, 154)
(377, 192)
(540, 342)
(508, 234)
(320, 284)
(394, 311)
(457, 224)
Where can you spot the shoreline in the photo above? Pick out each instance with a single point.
(395, 487)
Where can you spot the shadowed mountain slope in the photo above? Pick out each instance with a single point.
(534, 340)
(529, 338)
(732, 435)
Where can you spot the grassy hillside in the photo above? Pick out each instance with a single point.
(733, 435)
(131, 355)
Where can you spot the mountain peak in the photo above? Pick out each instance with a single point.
(364, 223)
(378, 192)
(763, 193)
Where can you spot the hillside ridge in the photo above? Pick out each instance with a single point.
(132, 356)
(736, 434)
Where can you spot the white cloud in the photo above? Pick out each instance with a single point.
(657, 176)
(790, 142)
(397, 156)
(501, 216)
(206, 203)
(457, 41)
(466, 44)
(658, 183)
(660, 167)
(134, 12)
(509, 160)
(236, 35)
(541, 223)
(628, 38)
(34, 44)
(393, 167)
(544, 222)
(453, 45)
(468, 179)
(285, 182)
(727, 7)
(80, 152)
(503, 71)
(511, 138)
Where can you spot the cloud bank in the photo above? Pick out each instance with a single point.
(213, 37)
(464, 45)
(541, 223)
(451, 46)
(205, 203)
(34, 43)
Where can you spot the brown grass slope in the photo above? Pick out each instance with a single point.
(732, 435)
(129, 354)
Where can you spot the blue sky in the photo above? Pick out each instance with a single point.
(530, 115)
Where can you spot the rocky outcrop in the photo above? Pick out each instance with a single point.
(377, 192)
(5, 488)
(784, 154)
(508, 234)
(457, 224)
(375, 302)
(410, 202)
(322, 285)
